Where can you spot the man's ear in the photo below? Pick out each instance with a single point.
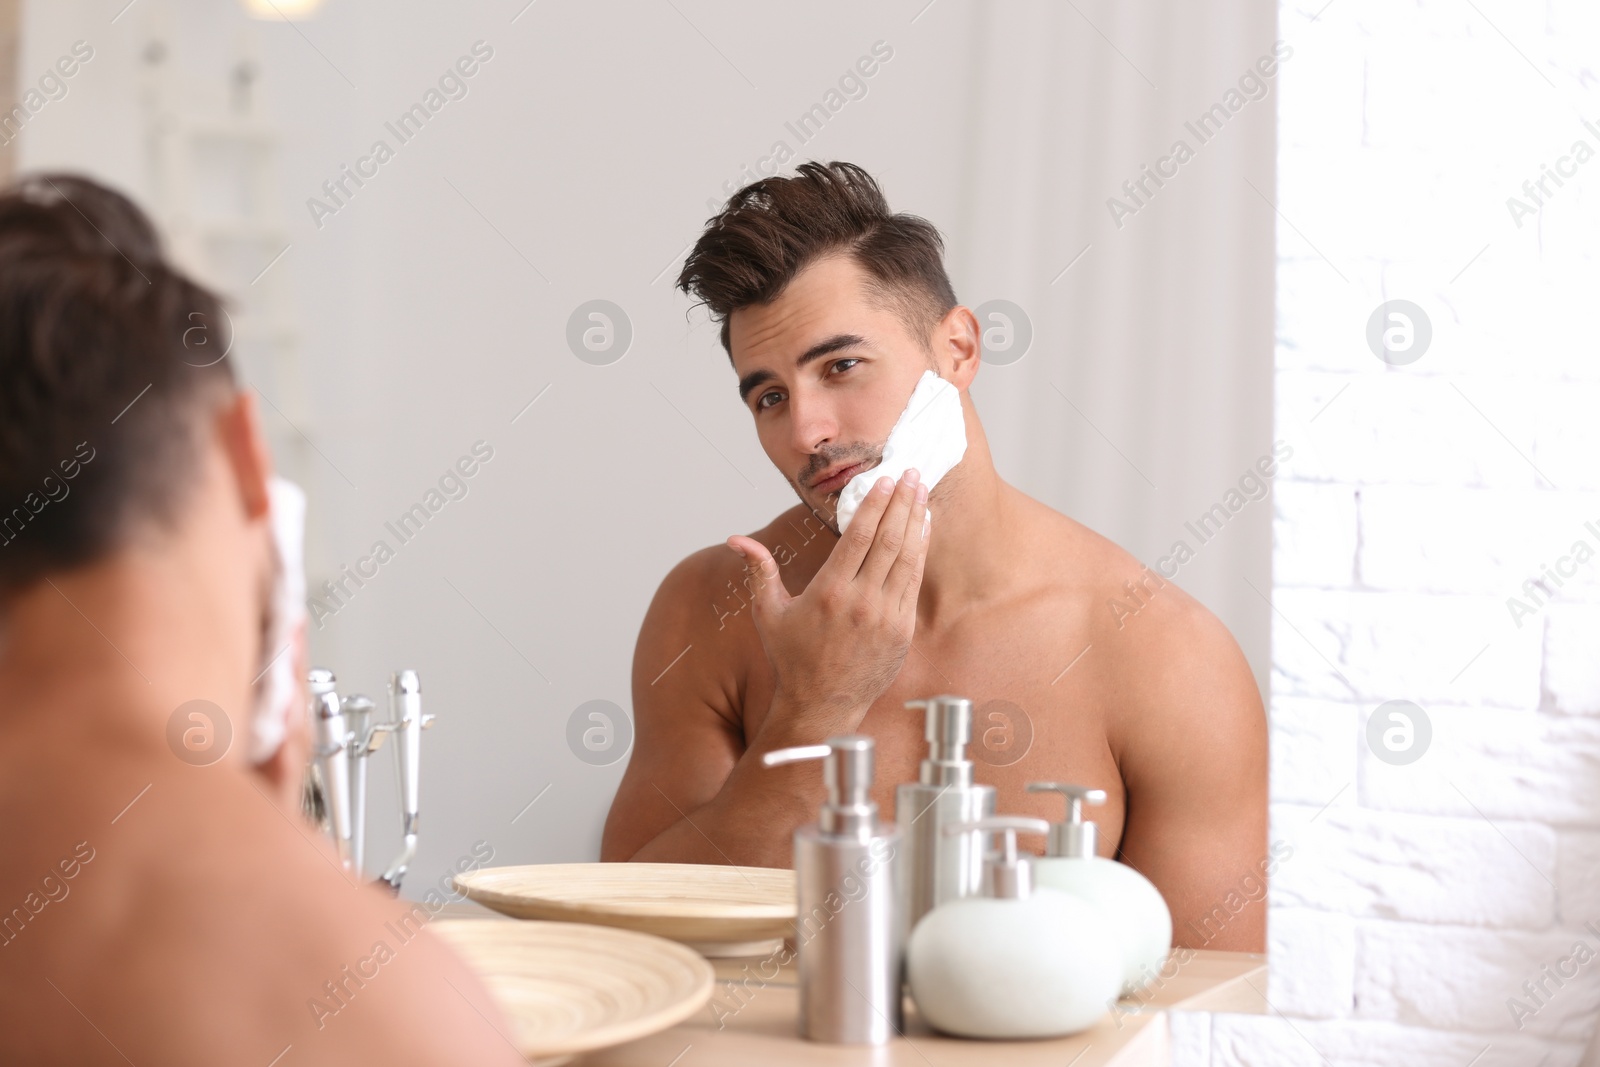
(957, 340)
(238, 428)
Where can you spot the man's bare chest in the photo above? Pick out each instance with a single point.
(1040, 712)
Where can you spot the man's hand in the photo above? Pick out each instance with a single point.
(839, 645)
(695, 790)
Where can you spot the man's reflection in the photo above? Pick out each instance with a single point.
(831, 308)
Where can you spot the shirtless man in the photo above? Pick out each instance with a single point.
(831, 309)
(154, 910)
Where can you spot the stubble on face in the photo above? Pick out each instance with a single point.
(826, 510)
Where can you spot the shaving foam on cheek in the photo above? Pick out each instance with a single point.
(930, 435)
(276, 690)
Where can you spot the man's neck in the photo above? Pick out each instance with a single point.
(133, 636)
(976, 536)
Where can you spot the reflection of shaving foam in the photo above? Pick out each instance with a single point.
(930, 435)
(276, 689)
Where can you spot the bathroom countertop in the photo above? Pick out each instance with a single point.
(758, 1027)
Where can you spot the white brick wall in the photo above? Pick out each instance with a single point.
(1421, 897)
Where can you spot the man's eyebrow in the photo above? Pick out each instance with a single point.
(822, 348)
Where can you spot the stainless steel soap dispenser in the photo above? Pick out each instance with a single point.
(847, 933)
(940, 867)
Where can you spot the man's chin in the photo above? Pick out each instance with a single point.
(825, 512)
(830, 517)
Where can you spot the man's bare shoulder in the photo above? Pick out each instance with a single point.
(701, 608)
(709, 589)
(1175, 668)
(196, 906)
(701, 594)
(1144, 627)
(1089, 567)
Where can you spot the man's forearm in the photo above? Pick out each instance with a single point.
(751, 820)
(744, 824)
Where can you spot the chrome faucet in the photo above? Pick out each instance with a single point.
(344, 736)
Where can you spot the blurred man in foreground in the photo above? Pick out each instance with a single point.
(159, 906)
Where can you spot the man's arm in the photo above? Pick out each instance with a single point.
(1192, 747)
(693, 791)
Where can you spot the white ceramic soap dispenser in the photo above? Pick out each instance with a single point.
(1013, 962)
(1136, 907)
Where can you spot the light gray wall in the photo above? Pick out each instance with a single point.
(10, 18)
(432, 308)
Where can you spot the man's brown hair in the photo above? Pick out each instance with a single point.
(772, 229)
(109, 358)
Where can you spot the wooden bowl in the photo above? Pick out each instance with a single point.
(718, 910)
(569, 989)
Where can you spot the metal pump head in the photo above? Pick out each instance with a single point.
(948, 729)
(1006, 875)
(1073, 838)
(847, 772)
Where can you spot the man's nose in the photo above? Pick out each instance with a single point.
(811, 423)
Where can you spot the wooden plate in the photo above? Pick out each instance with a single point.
(568, 989)
(718, 909)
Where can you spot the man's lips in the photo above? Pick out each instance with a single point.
(838, 481)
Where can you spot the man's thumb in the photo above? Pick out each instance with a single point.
(761, 572)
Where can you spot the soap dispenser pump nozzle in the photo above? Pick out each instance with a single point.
(1074, 837)
(939, 868)
(847, 771)
(1006, 875)
(947, 727)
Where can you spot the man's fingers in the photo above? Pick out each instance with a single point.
(844, 562)
(913, 552)
(908, 596)
(889, 539)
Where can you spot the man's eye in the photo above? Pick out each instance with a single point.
(761, 401)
